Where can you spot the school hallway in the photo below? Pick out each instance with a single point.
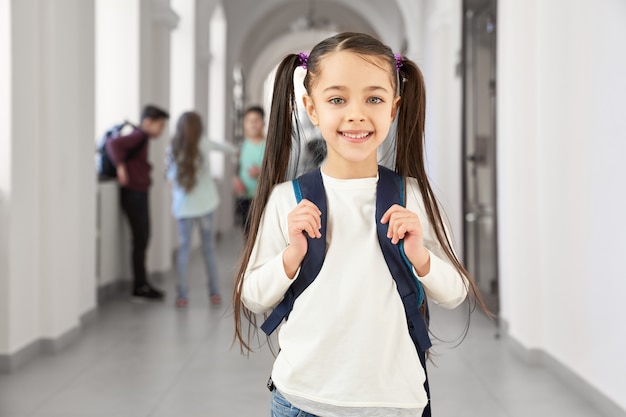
(524, 146)
(154, 360)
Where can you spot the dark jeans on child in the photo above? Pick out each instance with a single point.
(135, 205)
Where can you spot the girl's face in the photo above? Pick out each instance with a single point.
(353, 102)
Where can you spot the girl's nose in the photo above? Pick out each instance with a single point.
(355, 113)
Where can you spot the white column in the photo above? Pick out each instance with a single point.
(24, 201)
(5, 99)
(47, 185)
(183, 88)
(157, 21)
(67, 175)
(519, 225)
(415, 22)
(220, 120)
(182, 62)
(203, 57)
(5, 168)
(217, 85)
(443, 108)
(117, 62)
(85, 112)
(117, 56)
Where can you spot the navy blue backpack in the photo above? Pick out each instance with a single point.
(389, 191)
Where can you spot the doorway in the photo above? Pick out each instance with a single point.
(479, 147)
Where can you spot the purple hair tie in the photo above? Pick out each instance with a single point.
(304, 59)
(398, 61)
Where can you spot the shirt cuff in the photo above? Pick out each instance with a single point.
(443, 284)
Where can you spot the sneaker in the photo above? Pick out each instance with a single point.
(147, 293)
(181, 302)
(216, 300)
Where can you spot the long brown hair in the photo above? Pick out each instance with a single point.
(184, 149)
(409, 154)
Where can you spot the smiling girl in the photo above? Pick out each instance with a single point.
(346, 349)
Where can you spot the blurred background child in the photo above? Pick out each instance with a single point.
(195, 198)
(250, 159)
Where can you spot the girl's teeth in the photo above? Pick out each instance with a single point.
(359, 136)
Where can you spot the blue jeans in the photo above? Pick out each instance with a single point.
(280, 407)
(185, 227)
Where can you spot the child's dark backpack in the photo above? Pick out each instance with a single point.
(105, 166)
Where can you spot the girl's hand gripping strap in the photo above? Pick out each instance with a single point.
(311, 187)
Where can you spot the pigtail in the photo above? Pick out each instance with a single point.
(411, 121)
(410, 161)
(273, 172)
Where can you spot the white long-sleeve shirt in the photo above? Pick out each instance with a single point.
(346, 349)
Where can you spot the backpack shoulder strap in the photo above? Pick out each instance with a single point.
(390, 190)
(309, 186)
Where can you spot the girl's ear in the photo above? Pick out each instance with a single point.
(394, 108)
(310, 109)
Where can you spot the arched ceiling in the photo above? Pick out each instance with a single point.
(264, 31)
(289, 19)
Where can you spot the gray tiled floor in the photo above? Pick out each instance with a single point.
(153, 360)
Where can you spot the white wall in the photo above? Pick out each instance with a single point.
(562, 142)
(48, 270)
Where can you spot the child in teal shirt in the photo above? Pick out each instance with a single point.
(250, 160)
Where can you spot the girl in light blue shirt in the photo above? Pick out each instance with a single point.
(194, 198)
